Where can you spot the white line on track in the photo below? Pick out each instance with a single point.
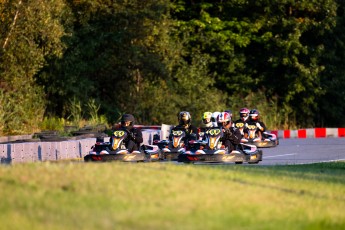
(313, 162)
(290, 154)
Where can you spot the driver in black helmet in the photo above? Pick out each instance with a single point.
(184, 120)
(135, 136)
(254, 119)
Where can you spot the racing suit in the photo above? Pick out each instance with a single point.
(242, 126)
(260, 127)
(133, 139)
(231, 138)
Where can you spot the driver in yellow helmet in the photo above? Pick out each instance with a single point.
(206, 125)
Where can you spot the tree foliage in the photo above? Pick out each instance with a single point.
(331, 104)
(264, 46)
(124, 56)
(30, 32)
(155, 58)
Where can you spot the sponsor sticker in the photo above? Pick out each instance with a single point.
(177, 132)
(129, 157)
(239, 125)
(227, 158)
(214, 132)
(119, 133)
(176, 142)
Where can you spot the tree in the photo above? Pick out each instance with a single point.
(261, 46)
(124, 55)
(331, 105)
(30, 33)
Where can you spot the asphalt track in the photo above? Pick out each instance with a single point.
(304, 151)
(301, 151)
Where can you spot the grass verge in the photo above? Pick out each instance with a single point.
(170, 196)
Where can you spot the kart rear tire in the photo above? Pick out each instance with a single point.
(239, 162)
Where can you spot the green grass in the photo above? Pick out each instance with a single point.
(169, 196)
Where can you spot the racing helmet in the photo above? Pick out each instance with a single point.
(184, 118)
(229, 112)
(224, 118)
(206, 119)
(254, 115)
(127, 121)
(214, 118)
(244, 114)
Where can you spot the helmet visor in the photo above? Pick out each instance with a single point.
(254, 116)
(126, 123)
(223, 124)
(206, 120)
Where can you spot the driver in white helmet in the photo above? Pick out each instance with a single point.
(232, 136)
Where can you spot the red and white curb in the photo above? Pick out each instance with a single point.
(310, 133)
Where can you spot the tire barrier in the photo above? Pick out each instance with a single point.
(44, 151)
(55, 150)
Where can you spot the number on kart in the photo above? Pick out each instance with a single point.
(119, 133)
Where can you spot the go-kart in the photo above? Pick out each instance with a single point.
(266, 140)
(210, 150)
(169, 150)
(115, 150)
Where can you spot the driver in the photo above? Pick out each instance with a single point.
(135, 136)
(241, 123)
(206, 125)
(232, 136)
(255, 120)
(184, 124)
